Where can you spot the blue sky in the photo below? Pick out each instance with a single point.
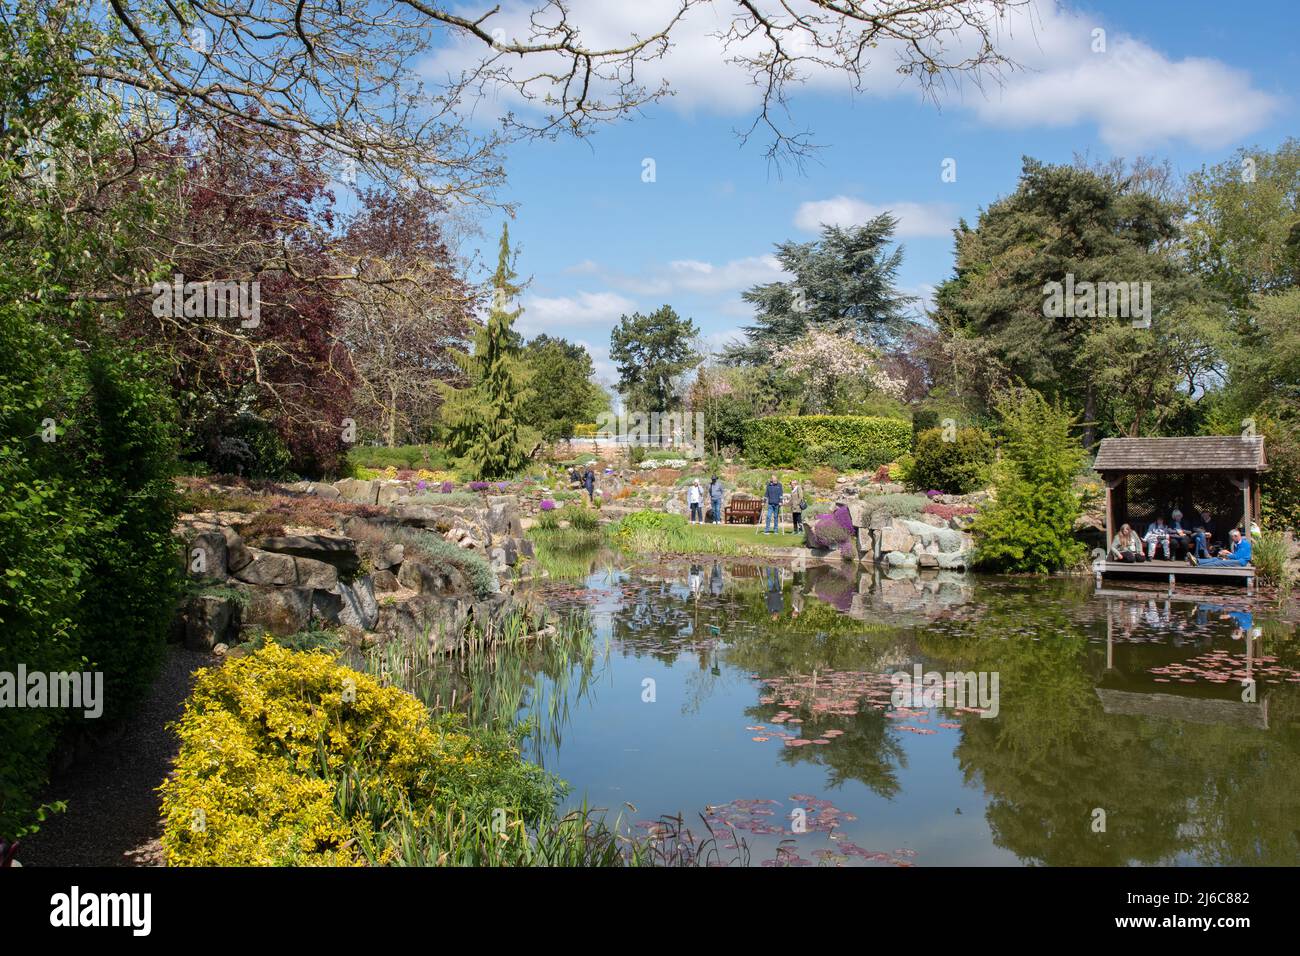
(1189, 81)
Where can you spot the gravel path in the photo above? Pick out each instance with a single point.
(112, 816)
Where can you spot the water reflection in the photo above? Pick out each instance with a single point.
(772, 685)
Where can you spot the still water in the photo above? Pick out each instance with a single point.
(759, 701)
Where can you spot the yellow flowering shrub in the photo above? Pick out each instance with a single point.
(268, 739)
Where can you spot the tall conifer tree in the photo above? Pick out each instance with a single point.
(483, 419)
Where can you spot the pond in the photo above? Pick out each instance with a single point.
(1044, 724)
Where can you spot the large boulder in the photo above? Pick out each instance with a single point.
(206, 556)
(281, 611)
(209, 620)
(315, 574)
(387, 558)
(896, 538)
(269, 569)
(362, 492)
(503, 518)
(351, 605)
(238, 555)
(426, 578)
(336, 549)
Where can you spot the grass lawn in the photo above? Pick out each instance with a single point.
(751, 535)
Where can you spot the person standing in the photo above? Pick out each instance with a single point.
(797, 503)
(589, 482)
(695, 498)
(715, 498)
(773, 495)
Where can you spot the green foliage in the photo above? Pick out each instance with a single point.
(861, 441)
(656, 532)
(897, 506)
(844, 281)
(399, 456)
(957, 466)
(561, 391)
(485, 420)
(1030, 526)
(652, 352)
(1103, 228)
(1269, 555)
(580, 518)
(439, 550)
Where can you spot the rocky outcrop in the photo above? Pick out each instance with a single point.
(352, 576)
(925, 541)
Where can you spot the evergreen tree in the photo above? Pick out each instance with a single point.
(484, 419)
(845, 283)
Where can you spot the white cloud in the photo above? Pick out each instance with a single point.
(695, 276)
(1136, 95)
(914, 219)
(543, 314)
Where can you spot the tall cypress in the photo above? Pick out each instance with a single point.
(483, 418)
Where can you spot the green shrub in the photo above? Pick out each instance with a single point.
(580, 518)
(846, 441)
(956, 467)
(441, 551)
(1030, 525)
(89, 573)
(896, 506)
(1269, 555)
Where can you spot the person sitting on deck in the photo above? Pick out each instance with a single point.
(1239, 557)
(1204, 536)
(1180, 539)
(1157, 534)
(1127, 546)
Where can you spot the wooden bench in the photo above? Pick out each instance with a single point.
(743, 511)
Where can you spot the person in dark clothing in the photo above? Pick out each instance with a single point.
(589, 482)
(774, 494)
(1205, 537)
(715, 498)
(775, 599)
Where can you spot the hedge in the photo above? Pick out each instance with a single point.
(860, 441)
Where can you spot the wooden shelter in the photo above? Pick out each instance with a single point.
(1147, 478)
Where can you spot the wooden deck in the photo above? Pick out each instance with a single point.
(1174, 570)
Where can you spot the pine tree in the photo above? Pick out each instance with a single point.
(483, 419)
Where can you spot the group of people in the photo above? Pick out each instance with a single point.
(586, 480)
(695, 498)
(774, 496)
(1198, 545)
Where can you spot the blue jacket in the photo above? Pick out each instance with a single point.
(774, 492)
(1241, 552)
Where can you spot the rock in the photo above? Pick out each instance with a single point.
(336, 549)
(268, 568)
(388, 492)
(503, 518)
(238, 555)
(427, 579)
(389, 557)
(927, 560)
(208, 620)
(221, 650)
(360, 610)
(280, 610)
(385, 581)
(676, 505)
(315, 574)
(860, 513)
(206, 556)
(895, 538)
(362, 492)
(952, 560)
(438, 621)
